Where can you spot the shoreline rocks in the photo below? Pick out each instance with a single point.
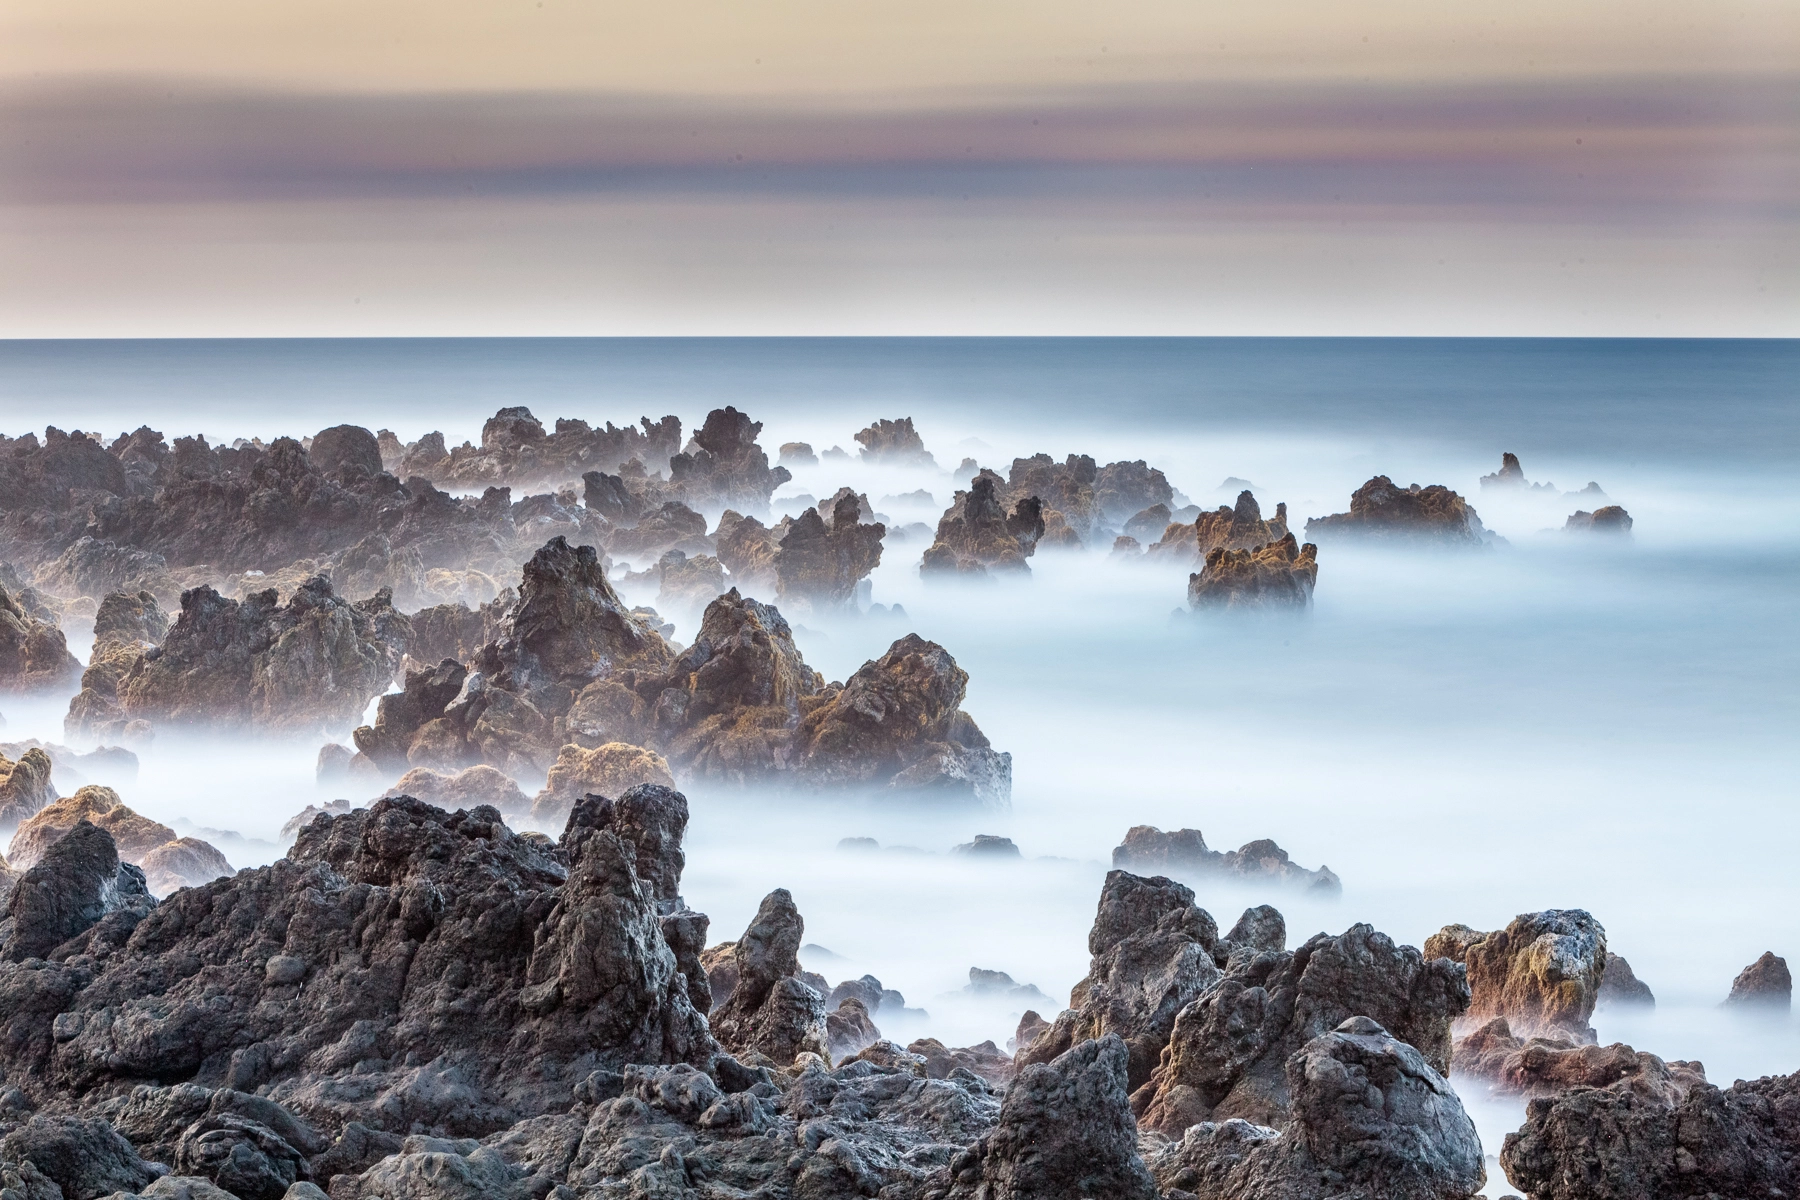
(1183, 853)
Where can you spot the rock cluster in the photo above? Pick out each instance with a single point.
(169, 861)
(977, 535)
(127, 626)
(1381, 511)
(1548, 1066)
(1609, 519)
(822, 564)
(893, 443)
(1183, 853)
(726, 469)
(516, 449)
(1239, 527)
(1280, 575)
(34, 655)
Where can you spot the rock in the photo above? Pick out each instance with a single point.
(300, 820)
(1153, 953)
(1148, 524)
(1258, 930)
(1610, 519)
(768, 1009)
(184, 862)
(670, 526)
(399, 716)
(823, 565)
(1030, 1026)
(1123, 488)
(986, 845)
(1614, 1143)
(314, 662)
(1240, 527)
(849, 1029)
(893, 443)
(1228, 1049)
(1065, 1129)
(86, 1159)
(1280, 575)
(516, 448)
(1000, 984)
(1371, 1118)
(977, 534)
(1510, 474)
(727, 469)
(456, 631)
(943, 1062)
(133, 835)
(345, 448)
(1765, 984)
(25, 788)
(126, 627)
(1542, 972)
(749, 550)
(34, 655)
(244, 1156)
(607, 770)
(1620, 988)
(470, 787)
(649, 820)
(78, 881)
(797, 454)
(688, 584)
(1543, 1066)
(1383, 512)
(1183, 853)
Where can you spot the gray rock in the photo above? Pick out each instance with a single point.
(79, 881)
(1542, 972)
(85, 1158)
(769, 1010)
(1765, 984)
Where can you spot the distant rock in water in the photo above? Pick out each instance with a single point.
(1381, 511)
(1621, 988)
(1539, 1067)
(34, 655)
(1183, 853)
(1611, 519)
(25, 788)
(1511, 477)
(821, 565)
(894, 443)
(1238, 527)
(1542, 972)
(1277, 576)
(1765, 984)
(986, 845)
(127, 626)
(797, 454)
(977, 535)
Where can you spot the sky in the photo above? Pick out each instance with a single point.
(216, 168)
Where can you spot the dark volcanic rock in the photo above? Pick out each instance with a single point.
(891, 443)
(1065, 1129)
(1280, 575)
(315, 661)
(1764, 984)
(86, 1159)
(769, 1010)
(849, 1029)
(126, 627)
(749, 550)
(977, 534)
(1542, 972)
(1228, 1049)
(1183, 853)
(133, 836)
(94, 567)
(1382, 511)
(517, 449)
(34, 655)
(822, 565)
(1371, 1119)
(942, 1062)
(727, 468)
(1542, 1066)
(1610, 519)
(345, 448)
(79, 881)
(1614, 1143)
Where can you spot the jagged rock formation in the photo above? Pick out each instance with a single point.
(34, 655)
(1621, 988)
(942, 1062)
(313, 662)
(1228, 1048)
(300, 820)
(1240, 527)
(891, 443)
(1381, 511)
(126, 627)
(515, 448)
(797, 454)
(1609, 519)
(749, 550)
(1764, 984)
(1548, 1066)
(850, 1029)
(1371, 1117)
(95, 568)
(978, 535)
(669, 526)
(1616, 1143)
(1542, 972)
(25, 788)
(727, 469)
(1511, 477)
(607, 770)
(1065, 1129)
(1183, 853)
(183, 862)
(134, 836)
(822, 565)
(78, 888)
(687, 583)
(768, 1010)
(456, 631)
(1280, 575)
(470, 787)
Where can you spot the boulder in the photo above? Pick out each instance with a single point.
(822, 564)
(1280, 575)
(889, 443)
(607, 770)
(34, 655)
(1239, 527)
(133, 835)
(687, 583)
(726, 469)
(768, 1009)
(1610, 519)
(1765, 984)
(1542, 972)
(95, 568)
(25, 788)
(184, 862)
(849, 1029)
(85, 1159)
(749, 550)
(1621, 988)
(345, 448)
(470, 787)
(78, 882)
(943, 1062)
(1381, 511)
(127, 626)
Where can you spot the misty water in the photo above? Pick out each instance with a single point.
(1561, 721)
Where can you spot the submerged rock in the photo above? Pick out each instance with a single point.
(891, 443)
(1610, 519)
(1381, 511)
(823, 565)
(977, 535)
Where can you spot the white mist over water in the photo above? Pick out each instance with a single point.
(1562, 721)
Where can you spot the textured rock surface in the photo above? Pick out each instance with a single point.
(1542, 972)
(1183, 853)
(184, 862)
(85, 1159)
(822, 564)
(1608, 519)
(1382, 511)
(769, 1011)
(977, 534)
(134, 836)
(1280, 575)
(1542, 1066)
(1371, 1120)
(1765, 984)
(1239, 527)
(1614, 1143)
(606, 770)
(78, 882)
(892, 443)
(126, 626)
(313, 662)
(1621, 988)
(467, 788)
(34, 655)
(727, 468)
(25, 788)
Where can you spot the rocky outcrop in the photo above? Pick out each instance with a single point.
(516, 449)
(313, 662)
(943, 1062)
(34, 655)
(1609, 519)
(891, 443)
(821, 564)
(25, 788)
(608, 770)
(726, 469)
(127, 626)
(670, 526)
(977, 534)
(1616, 1143)
(95, 568)
(1511, 477)
(1371, 1117)
(768, 1010)
(1228, 1049)
(687, 583)
(134, 836)
(77, 1159)
(798, 454)
(1183, 853)
(1240, 527)
(183, 862)
(470, 787)
(1548, 1066)
(1381, 511)
(78, 885)
(1765, 984)
(1621, 988)
(1542, 972)
(404, 969)
(749, 550)
(1065, 1129)
(1280, 575)
(850, 1029)
(457, 631)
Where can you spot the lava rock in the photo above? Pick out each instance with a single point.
(1765, 984)
(1381, 511)
(1542, 972)
(78, 881)
(1280, 575)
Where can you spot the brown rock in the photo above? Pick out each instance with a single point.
(977, 531)
(941, 1061)
(1183, 853)
(1542, 972)
(34, 656)
(727, 468)
(748, 549)
(467, 788)
(126, 627)
(1610, 519)
(25, 788)
(607, 770)
(687, 583)
(1030, 1026)
(133, 835)
(1280, 575)
(1536, 1067)
(849, 1029)
(184, 862)
(1382, 511)
(823, 565)
(1764, 984)
(894, 443)
(1621, 988)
